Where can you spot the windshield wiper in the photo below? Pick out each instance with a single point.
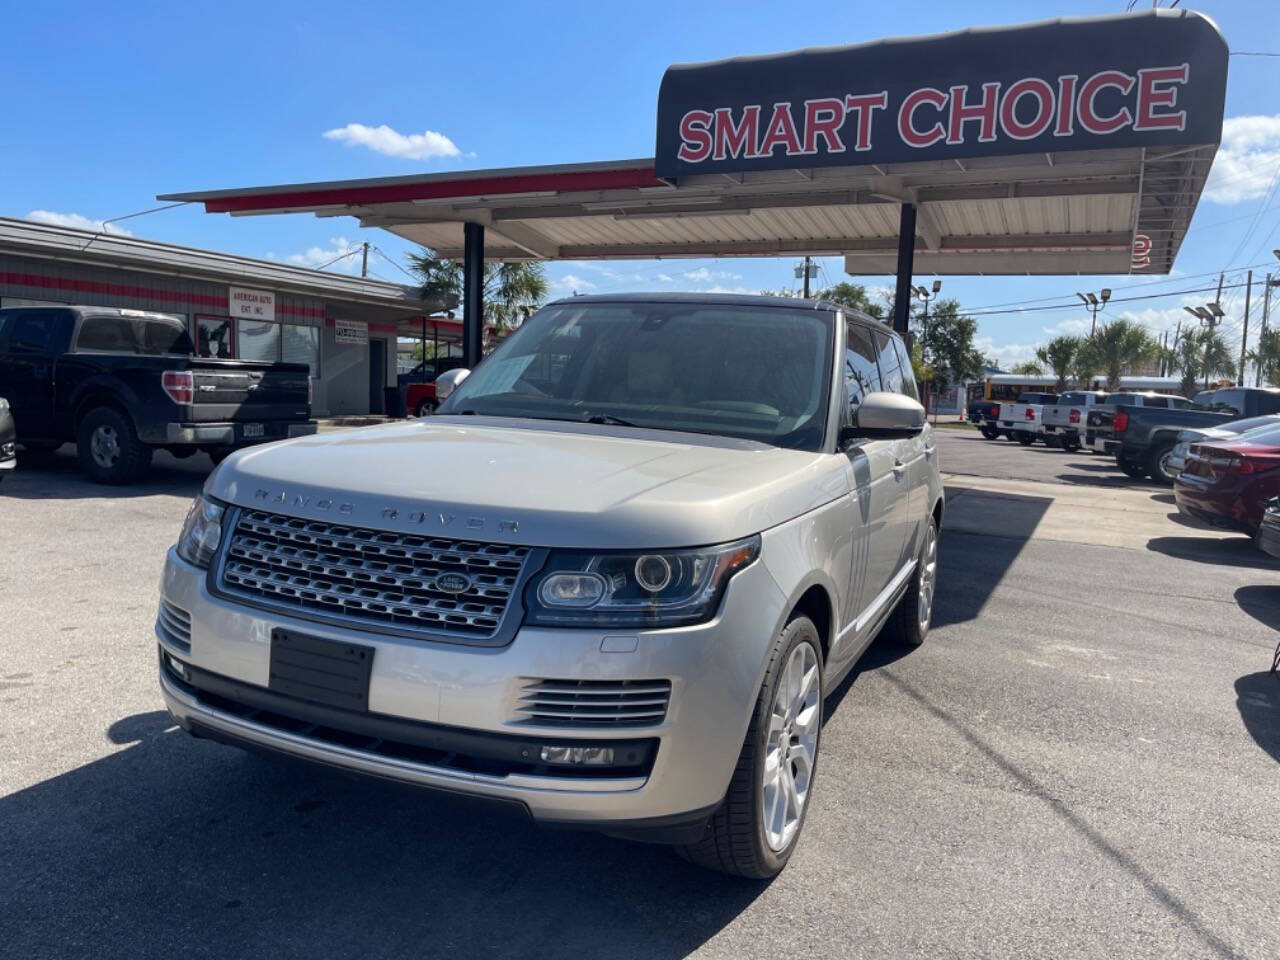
(610, 419)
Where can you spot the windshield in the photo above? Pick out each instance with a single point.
(759, 373)
(1249, 423)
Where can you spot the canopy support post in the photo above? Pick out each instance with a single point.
(472, 294)
(906, 267)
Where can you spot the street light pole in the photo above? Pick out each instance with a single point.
(1094, 305)
(926, 295)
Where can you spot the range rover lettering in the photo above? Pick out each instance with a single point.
(610, 582)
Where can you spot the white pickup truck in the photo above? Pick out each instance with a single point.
(1024, 420)
(1064, 421)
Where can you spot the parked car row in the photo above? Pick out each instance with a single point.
(1221, 454)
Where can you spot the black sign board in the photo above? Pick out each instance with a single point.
(1149, 79)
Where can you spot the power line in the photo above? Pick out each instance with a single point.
(1252, 53)
(342, 256)
(1072, 306)
(393, 262)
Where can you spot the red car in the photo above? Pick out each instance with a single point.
(1228, 483)
(420, 385)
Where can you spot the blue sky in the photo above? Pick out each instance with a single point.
(110, 105)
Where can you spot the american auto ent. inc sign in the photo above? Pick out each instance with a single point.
(1049, 87)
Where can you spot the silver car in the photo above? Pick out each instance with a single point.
(610, 582)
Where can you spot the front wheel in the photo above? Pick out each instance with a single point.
(756, 828)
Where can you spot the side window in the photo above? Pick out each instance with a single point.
(890, 368)
(861, 376)
(904, 363)
(1179, 403)
(28, 332)
(1230, 401)
(114, 334)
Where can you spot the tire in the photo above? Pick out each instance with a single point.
(1010, 436)
(990, 432)
(1157, 464)
(216, 456)
(909, 623)
(1026, 439)
(181, 453)
(109, 448)
(1051, 441)
(736, 840)
(1071, 446)
(425, 409)
(1133, 469)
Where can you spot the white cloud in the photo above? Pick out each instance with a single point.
(383, 139)
(717, 288)
(573, 283)
(76, 221)
(703, 275)
(1007, 354)
(1247, 160)
(319, 256)
(666, 278)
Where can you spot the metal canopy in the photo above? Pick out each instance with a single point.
(1063, 147)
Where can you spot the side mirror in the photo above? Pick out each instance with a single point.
(884, 416)
(448, 382)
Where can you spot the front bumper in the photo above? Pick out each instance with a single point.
(234, 434)
(714, 670)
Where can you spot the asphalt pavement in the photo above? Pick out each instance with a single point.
(1083, 760)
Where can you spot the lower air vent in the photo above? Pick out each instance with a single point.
(594, 703)
(173, 624)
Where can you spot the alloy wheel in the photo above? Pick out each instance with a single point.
(105, 446)
(791, 747)
(928, 577)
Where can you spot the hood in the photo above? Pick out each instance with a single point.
(534, 483)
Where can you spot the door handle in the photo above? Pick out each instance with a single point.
(899, 468)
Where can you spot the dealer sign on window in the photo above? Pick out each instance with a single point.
(252, 304)
(351, 331)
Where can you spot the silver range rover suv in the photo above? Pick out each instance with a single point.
(610, 582)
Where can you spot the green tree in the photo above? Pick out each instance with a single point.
(1086, 364)
(512, 290)
(946, 345)
(1267, 356)
(1216, 359)
(1186, 360)
(1122, 346)
(853, 295)
(1059, 355)
(1028, 368)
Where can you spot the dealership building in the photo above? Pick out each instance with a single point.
(345, 328)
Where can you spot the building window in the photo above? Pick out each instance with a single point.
(275, 342)
(215, 337)
(300, 344)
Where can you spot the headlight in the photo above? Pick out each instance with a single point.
(4, 404)
(201, 531)
(655, 588)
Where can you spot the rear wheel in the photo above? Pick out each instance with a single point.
(1071, 446)
(909, 623)
(1158, 464)
(756, 828)
(109, 448)
(989, 431)
(1050, 441)
(426, 408)
(1026, 439)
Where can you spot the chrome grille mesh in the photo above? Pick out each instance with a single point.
(343, 573)
(594, 703)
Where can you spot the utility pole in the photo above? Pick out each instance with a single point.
(1244, 339)
(364, 260)
(1266, 310)
(806, 278)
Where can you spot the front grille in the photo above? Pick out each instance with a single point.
(384, 580)
(594, 703)
(174, 625)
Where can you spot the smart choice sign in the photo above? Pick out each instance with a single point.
(1046, 88)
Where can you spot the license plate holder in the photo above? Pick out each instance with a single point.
(322, 671)
(253, 430)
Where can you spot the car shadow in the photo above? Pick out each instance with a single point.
(1226, 551)
(982, 535)
(58, 476)
(1262, 602)
(175, 846)
(1258, 700)
(1164, 498)
(1117, 480)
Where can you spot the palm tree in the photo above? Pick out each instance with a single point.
(512, 290)
(1085, 363)
(1059, 355)
(1186, 360)
(1267, 356)
(1215, 356)
(1028, 368)
(1122, 346)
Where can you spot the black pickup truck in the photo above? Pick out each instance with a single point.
(983, 414)
(1142, 438)
(122, 383)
